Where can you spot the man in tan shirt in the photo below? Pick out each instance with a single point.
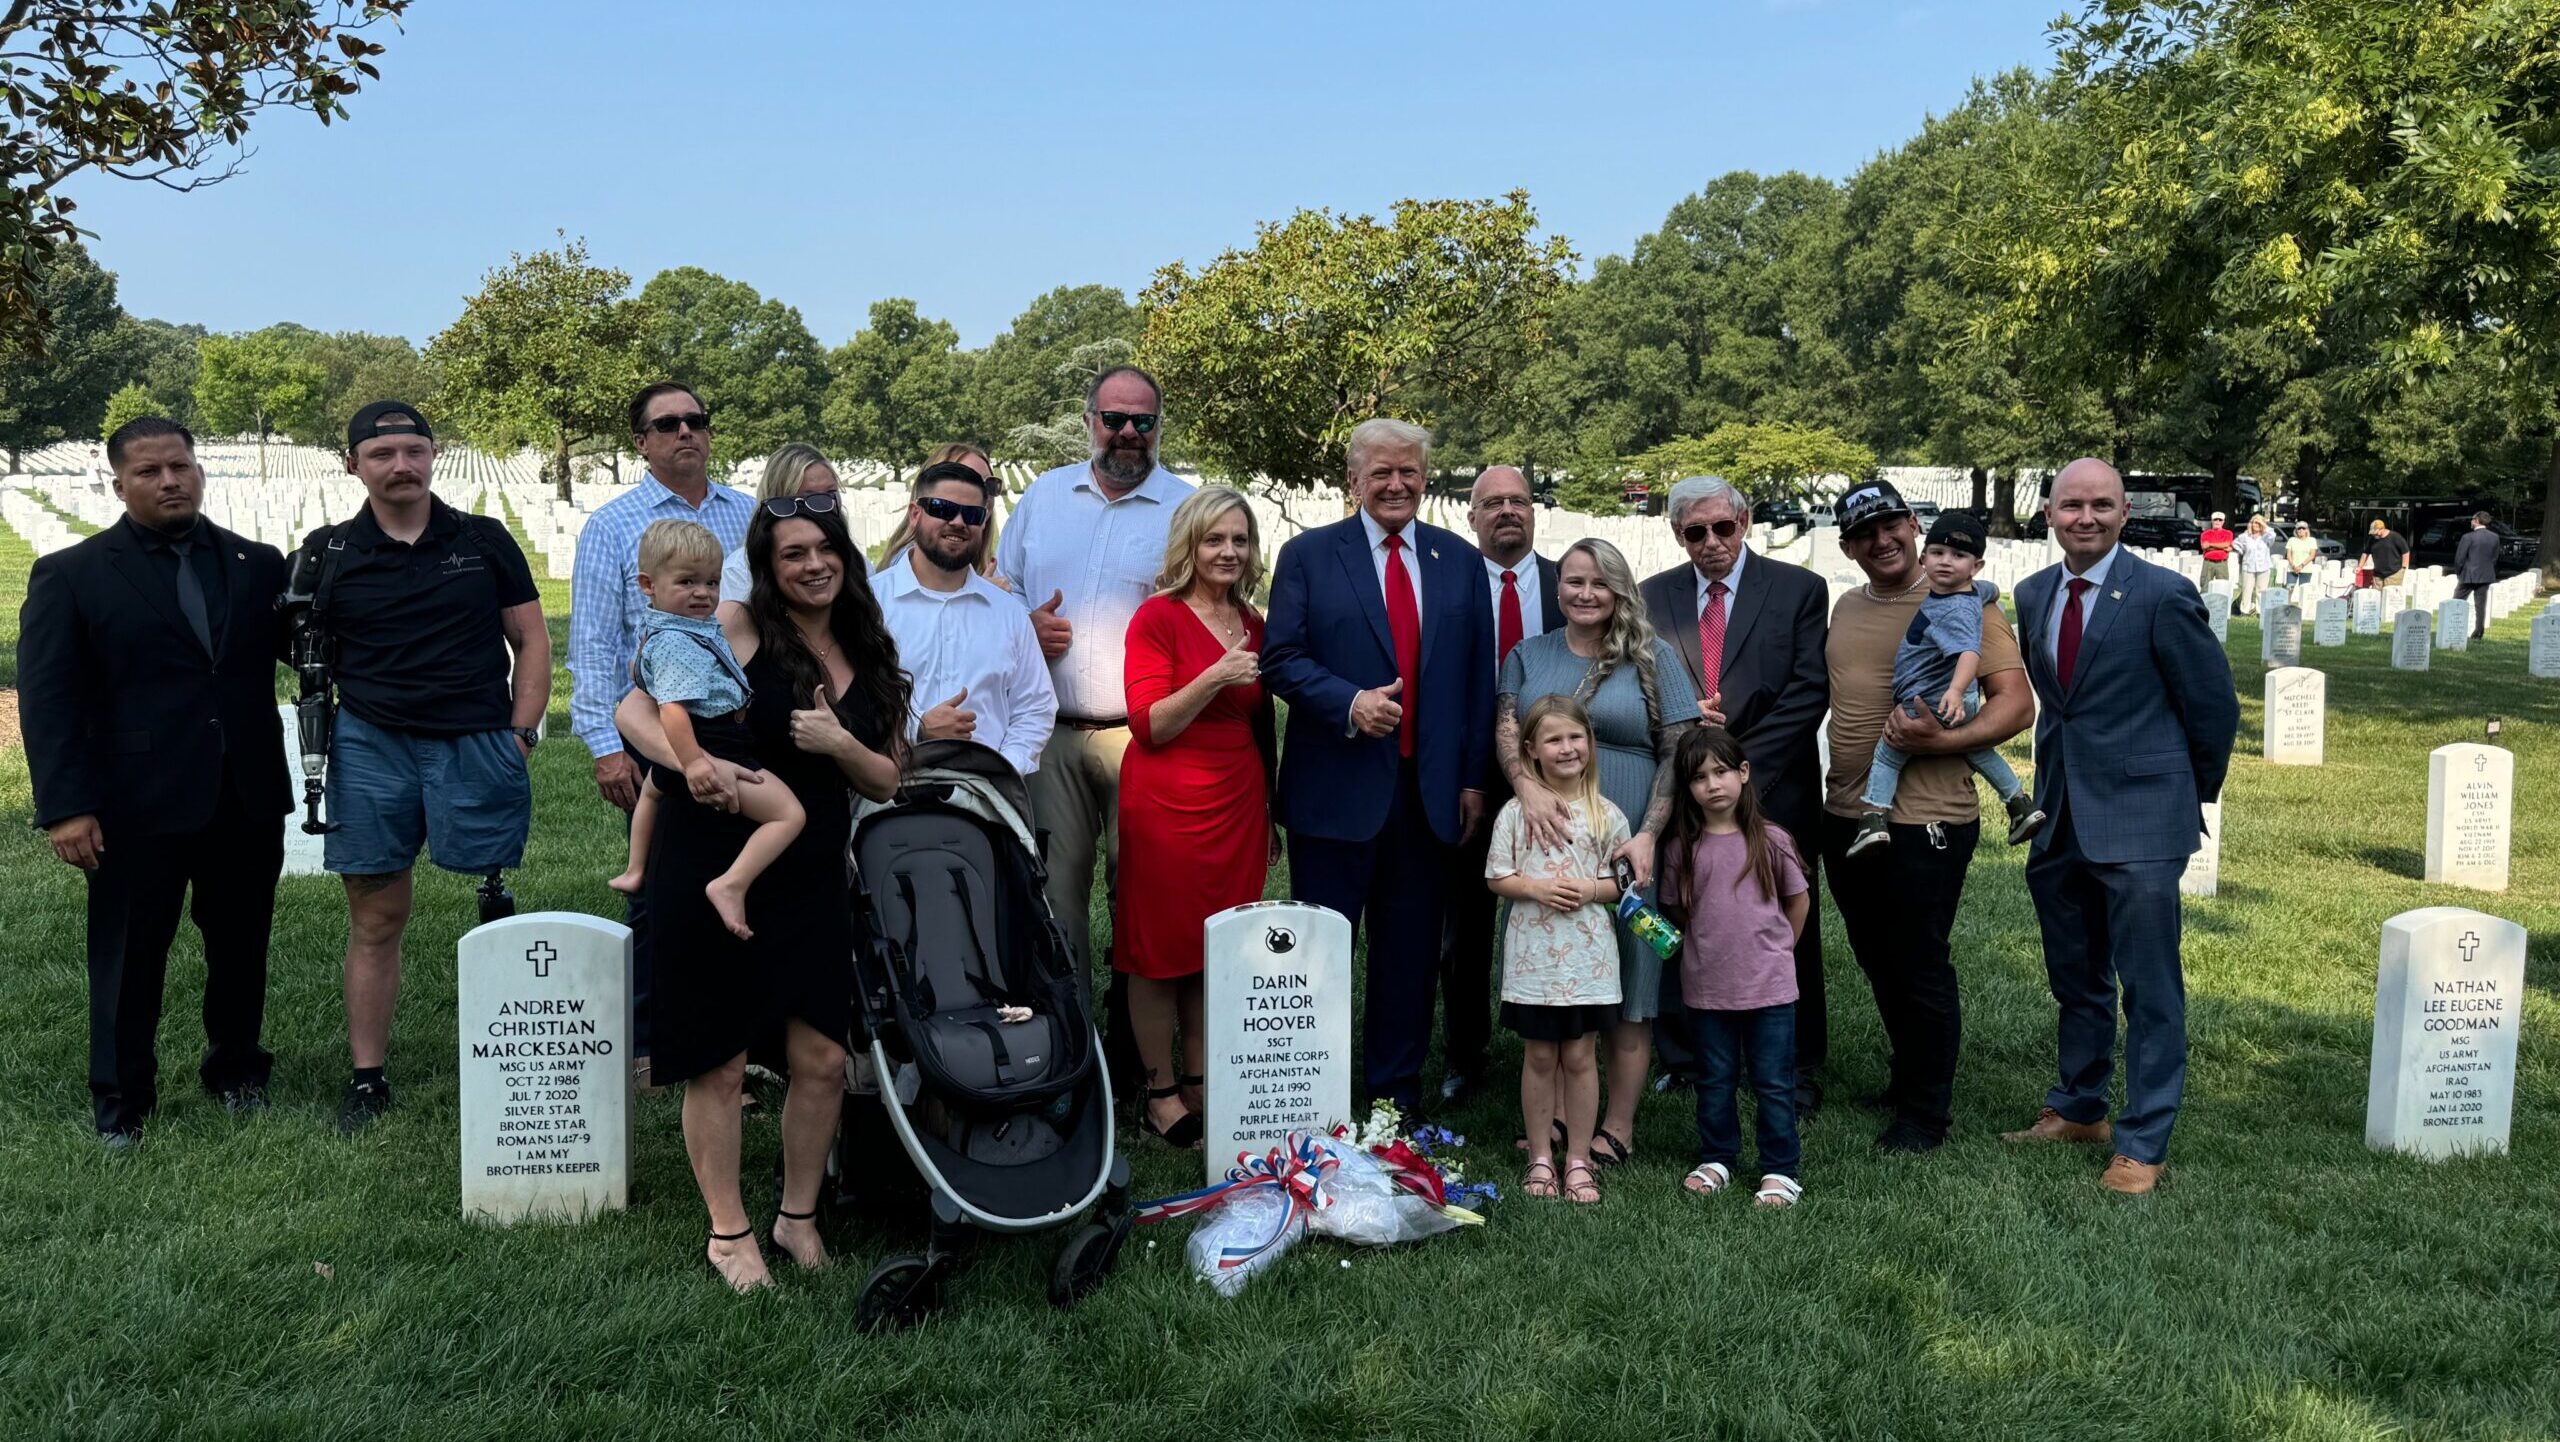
(1899, 901)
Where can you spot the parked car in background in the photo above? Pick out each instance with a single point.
(1926, 513)
(1819, 516)
(2435, 543)
(1778, 513)
(2161, 521)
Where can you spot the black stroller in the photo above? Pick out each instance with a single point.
(981, 1043)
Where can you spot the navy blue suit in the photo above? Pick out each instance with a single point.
(1370, 831)
(2126, 755)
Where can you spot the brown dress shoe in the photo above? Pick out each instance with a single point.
(2053, 1126)
(2131, 1178)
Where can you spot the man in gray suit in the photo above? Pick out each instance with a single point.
(1751, 631)
(2134, 736)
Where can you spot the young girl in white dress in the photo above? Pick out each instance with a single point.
(1559, 950)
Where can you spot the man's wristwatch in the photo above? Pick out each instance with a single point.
(531, 736)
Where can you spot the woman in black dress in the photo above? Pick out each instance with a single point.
(828, 703)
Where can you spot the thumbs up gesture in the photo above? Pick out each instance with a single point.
(1376, 711)
(948, 721)
(1056, 633)
(1238, 667)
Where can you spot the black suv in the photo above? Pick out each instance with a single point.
(2436, 542)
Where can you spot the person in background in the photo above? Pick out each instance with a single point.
(2216, 545)
(672, 431)
(146, 682)
(965, 454)
(2386, 556)
(2257, 556)
(2301, 557)
(1082, 554)
(2133, 737)
(1750, 631)
(969, 650)
(1523, 586)
(443, 667)
(1195, 818)
(2475, 570)
(794, 469)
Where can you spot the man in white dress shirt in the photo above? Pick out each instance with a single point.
(1523, 586)
(1082, 549)
(977, 667)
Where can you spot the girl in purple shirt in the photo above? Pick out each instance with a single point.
(1732, 882)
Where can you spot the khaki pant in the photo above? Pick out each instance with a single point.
(1075, 797)
(2253, 584)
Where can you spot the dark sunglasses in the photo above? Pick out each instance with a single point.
(942, 510)
(1143, 422)
(783, 508)
(1724, 531)
(695, 420)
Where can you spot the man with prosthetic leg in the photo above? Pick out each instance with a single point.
(427, 622)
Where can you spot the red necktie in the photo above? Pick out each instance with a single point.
(2066, 646)
(1507, 632)
(1404, 624)
(1711, 639)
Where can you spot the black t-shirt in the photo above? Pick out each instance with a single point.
(419, 644)
(2388, 552)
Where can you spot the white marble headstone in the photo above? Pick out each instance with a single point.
(2409, 638)
(2542, 658)
(2445, 1011)
(2366, 613)
(543, 1017)
(1277, 1013)
(2274, 596)
(2296, 716)
(2283, 627)
(2470, 814)
(2329, 622)
(2453, 624)
(2203, 876)
(2217, 612)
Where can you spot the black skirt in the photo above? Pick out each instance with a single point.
(1557, 1023)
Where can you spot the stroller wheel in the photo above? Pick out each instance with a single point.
(899, 1293)
(1083, 1263)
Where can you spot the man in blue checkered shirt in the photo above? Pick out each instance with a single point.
(673, 433)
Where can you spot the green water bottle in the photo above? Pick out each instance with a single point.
(1650, 926)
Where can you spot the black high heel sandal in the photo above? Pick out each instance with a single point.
(1184, 1134)
(746, 1236)
(772, 1235)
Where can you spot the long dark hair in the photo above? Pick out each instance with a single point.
(854, 620)
(1698, 746)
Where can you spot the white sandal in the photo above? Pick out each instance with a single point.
(1711, 1178)
(1777, 1191)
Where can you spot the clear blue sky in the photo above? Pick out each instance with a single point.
(974, 155)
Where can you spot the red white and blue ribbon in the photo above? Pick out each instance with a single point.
(1297, 1168)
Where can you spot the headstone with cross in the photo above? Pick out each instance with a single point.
(545, 1031)
(2470, 815)
(2445, 1011)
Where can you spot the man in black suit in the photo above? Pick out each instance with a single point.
(1751, 631)
(146, 672)
(1523, 587)
(2475, 570)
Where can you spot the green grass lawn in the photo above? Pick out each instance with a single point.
(266, 1279)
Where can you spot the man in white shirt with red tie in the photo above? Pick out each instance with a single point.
(1523, 588)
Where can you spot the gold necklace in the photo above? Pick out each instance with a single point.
(1216, 622)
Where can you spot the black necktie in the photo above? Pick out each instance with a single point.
(191, 596)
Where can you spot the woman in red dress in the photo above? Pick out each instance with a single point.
(1195, 819)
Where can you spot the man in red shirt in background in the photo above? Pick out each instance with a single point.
(2216, 543)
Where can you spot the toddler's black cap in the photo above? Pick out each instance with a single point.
(1960, 531)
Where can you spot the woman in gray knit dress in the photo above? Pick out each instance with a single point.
(1640, 700)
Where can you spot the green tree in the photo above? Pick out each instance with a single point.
(158, 90)
(62, 391)
(1766, 461)
(897, 387)
(131, 403)
(548, 353)
(1017, 381)
(1063, 438)
(262, 383)
(357, 369)
(1270, 356)
(750, 359)
(163, 359)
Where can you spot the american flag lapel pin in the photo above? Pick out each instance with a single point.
(2115, 595)
(1435, 553)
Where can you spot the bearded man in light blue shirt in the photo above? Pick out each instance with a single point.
(1082, 550)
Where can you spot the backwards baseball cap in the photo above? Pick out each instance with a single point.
(1868, 503)
(386, 418)
(1960, 531)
